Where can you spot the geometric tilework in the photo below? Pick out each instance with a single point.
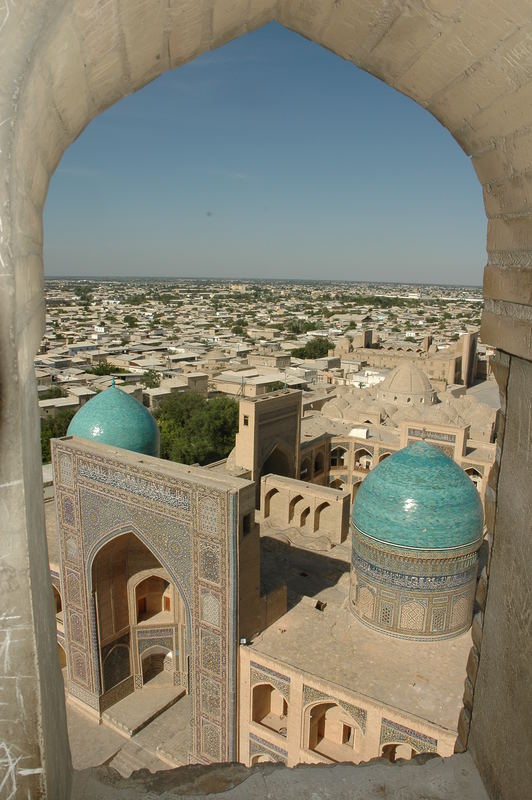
(210, 608)
(260, 674)
(392, 732)
(184, 523)
(208, 515)
(312, 695)
(412, 616)
(259, 746)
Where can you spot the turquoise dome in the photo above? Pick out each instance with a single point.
(115, 418)
(419, 497)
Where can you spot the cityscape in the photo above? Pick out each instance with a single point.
(265, 399)
(288, 395)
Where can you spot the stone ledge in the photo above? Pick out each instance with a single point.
(425, 776)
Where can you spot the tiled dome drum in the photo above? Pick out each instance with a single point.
(115, 418)
(417, 527)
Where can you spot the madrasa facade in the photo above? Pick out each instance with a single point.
(281, 621)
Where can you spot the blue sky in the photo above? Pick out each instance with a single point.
(269, 157)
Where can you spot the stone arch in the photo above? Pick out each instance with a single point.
(330, 731)
(319, 463)
(383, 456)
(337, 483)
(365, 602)
(130, 528)
(292, 506)
(277, 463)
(269, 707)
(475, 476)
(318, 512)
(338, 456)
(393, 751)
(116, 665)
(96, 54)
(153, 662)
(267, 501)
(262, 758)
(363, 458)
(304, 516)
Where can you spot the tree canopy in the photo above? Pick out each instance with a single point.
(53, 428)
(197, 430)
(316, 348)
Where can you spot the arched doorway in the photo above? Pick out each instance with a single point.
(330, 732)
(267, 501)
(393, 752)
(157, 667)
(292, 506)
(269, 708)
(136, 601)
(277, 463)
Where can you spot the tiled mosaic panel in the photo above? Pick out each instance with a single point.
(260, 674)
(210, 697)
(210, 739)
(312, 695)
(259, 746)
(394, 733)
(169, 539)
(210, 608)
(66, 474)
(107, 513)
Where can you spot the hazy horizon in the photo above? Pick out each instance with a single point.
(266, 158)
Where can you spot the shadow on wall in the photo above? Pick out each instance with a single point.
(305, 573)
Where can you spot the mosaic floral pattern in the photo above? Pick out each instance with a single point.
(260, 674)
(209, 562)
(164, 513)
(208, 515)
(210, 737)
(66, 476)
(210, 608)
(68, 512)
(259, 746)
(312, 695)
(210, 697)
(392, 732)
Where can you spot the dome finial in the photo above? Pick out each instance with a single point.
(113, 381)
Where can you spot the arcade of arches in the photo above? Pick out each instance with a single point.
(468, 63)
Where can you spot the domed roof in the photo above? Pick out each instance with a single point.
(116, 418)
(419, 497)
(406, 379)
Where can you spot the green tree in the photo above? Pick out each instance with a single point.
(316, 348)
(53, 428)
(197, 430)
(150, 379)
(130, 321)
(104, 368)
(52, 393)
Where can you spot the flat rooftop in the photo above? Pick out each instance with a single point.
(427, 679)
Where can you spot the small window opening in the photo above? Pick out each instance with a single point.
(246, 420)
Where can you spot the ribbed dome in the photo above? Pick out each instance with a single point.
(419, 497)
(115, 418)
(406, 383)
